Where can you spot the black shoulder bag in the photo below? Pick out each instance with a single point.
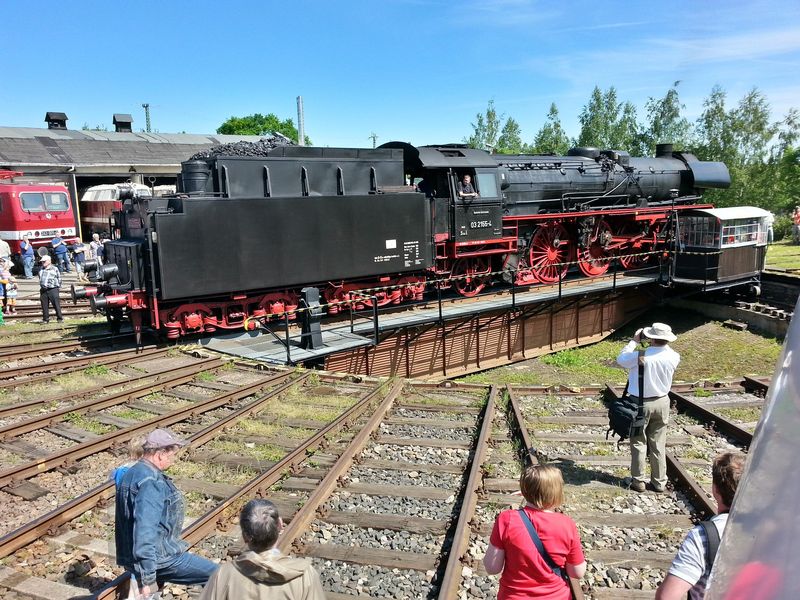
(574, 584)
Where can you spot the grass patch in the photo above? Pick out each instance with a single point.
(742, 415)
(73, 381)
(323, 414)
(185, 469)
(132, 414)
(261, 451)
(702, 393)
(206, 376)
(783, 255)
(268, 430)
(87, 424)
(708, 351)
(35, 390)
(696, 453)
(96, 371)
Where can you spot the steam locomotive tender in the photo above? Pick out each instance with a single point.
(244, 234)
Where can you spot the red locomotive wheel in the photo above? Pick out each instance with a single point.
(634, 260)
(470, 276)
(638, 254)
(594, 260)
(549, 253)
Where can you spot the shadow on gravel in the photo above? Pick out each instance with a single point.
(575, 474)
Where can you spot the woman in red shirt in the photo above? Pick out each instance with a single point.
(511, 548)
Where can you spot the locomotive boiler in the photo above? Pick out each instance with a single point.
(244, 234)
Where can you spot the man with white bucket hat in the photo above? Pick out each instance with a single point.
(660, 362)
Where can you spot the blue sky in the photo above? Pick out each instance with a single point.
(412, 70)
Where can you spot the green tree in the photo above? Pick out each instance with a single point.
(485, 129)
(551, 138)
(259, 124)
(665, 123)
(753, 147)
(607, 123)
(510, 140)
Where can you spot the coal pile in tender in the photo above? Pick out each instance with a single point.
(259, 148)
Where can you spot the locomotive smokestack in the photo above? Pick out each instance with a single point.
(663, 150)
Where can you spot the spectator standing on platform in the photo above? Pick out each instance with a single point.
(26, 250)
(79, 257)
(263, 572)
(660, 362)
(526, 573)
(97, 249)
(690, 569)
(149, 518)
(49, 288)
(62, 253)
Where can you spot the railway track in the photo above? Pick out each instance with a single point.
(629, 538)
(390, 488)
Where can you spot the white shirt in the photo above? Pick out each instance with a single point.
(660, 363)
(690, 561)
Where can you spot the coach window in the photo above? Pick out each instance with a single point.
(487, 184)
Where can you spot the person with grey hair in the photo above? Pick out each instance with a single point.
(263, 572)
(149, 519)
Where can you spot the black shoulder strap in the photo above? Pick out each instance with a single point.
(712, 545)
(640, 412)
(538, 543)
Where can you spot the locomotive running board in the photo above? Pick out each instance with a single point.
(263, 347)
(275, 347)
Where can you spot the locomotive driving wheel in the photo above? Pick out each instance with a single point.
(549, 253)
(470, 275)
(636, 254)
(594, 259)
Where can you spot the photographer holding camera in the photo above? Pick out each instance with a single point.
(660, 362)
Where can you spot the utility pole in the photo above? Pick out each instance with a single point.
(301, 123)
(374, 137)
(146, 107)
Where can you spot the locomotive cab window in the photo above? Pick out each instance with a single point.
(43, 201)
(486, 185)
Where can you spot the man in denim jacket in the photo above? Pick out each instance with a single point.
(149, 519)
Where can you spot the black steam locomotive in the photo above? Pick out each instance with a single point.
(244, 234)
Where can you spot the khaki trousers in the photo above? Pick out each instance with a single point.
(652, 444)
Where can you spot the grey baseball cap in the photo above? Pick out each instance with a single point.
(162, 438)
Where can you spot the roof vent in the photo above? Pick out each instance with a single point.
(122, 123)
(56, 120)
